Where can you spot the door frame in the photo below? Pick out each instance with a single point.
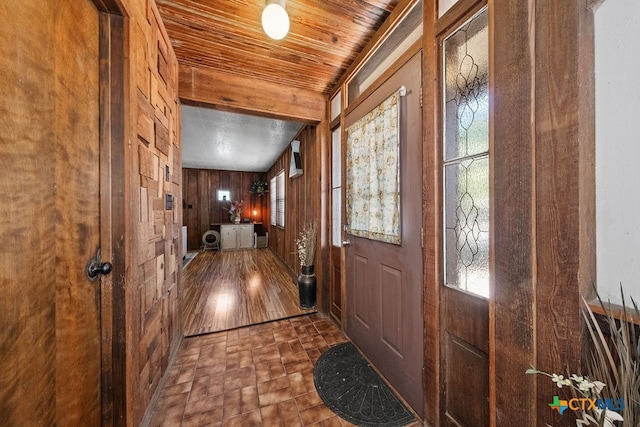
(114, 244)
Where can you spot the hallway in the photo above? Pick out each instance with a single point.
(260, 375)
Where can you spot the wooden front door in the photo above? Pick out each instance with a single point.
(50, 369)
(384, 280)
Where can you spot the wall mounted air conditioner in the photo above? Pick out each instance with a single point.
(295, 165)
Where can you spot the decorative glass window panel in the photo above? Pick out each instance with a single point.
(336, 158)
(336, 214)
(466, 157)
(336, 105)
(373, 174)
(336, 187)
(402, 37)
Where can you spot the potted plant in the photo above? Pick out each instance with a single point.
(258, 187)
(306, 246)
(235, 211)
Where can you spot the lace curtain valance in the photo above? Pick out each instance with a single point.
(373, 173)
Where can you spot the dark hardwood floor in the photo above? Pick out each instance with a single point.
(230, 289)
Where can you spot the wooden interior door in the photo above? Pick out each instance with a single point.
(384, 281)
(50, 369)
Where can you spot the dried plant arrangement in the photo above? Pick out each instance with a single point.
(306, 244)
(615, 358)
(612, 382)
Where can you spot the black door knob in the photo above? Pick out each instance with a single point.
(96, 268)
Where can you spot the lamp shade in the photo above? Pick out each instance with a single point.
(275, 20)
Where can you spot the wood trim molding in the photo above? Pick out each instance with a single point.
(399, 12)
(432, 216)
(404, 58)
(109, 6)
(198, 86)
(459, 12)
(565, 187)
(618, 311)
(513, 210)
(112, 159)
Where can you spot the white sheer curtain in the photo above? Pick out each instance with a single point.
(373, 174)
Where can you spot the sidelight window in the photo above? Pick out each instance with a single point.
(336, 187)
(466, 156)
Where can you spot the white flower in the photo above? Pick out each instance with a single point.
(560, 380)
(577, 379)
(582, 383)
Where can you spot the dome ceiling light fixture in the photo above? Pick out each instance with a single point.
(275, 20)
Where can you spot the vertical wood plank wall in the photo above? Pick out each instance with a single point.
(201, 207)
(303, 204)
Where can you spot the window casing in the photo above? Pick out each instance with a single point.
(280, 198)
(277, 198)
(273, 199)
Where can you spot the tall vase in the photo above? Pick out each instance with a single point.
(237, 219)
(307, 287)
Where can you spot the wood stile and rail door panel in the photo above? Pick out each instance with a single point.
(50, 226)
(466, 358)
(335, 295)
(225, 290)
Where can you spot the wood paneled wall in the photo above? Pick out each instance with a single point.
(304, 202)
(201, 207)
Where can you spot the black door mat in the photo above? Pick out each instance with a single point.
(350, 387)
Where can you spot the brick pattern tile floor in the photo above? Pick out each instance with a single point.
(259, 375)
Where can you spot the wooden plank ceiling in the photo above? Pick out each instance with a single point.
(225, 37)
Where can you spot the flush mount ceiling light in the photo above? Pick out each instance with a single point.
(275, 20)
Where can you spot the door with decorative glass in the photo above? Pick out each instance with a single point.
(383, 257)
(464, 304)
